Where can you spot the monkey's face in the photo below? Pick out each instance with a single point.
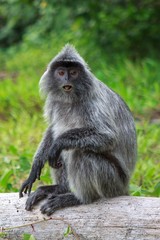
(66, 76)
(68, 80)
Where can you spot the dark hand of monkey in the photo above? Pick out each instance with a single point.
(54, 157)
(27, 185)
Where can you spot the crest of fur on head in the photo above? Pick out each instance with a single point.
(68, 54)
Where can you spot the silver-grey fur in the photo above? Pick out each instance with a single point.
(91, 130)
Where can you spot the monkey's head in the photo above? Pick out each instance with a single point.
(67, 76)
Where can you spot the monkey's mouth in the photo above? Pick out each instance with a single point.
(67, 88)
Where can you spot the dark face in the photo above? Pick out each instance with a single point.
(66, 76)
(67, 81)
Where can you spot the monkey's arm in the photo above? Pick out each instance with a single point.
(81, 138)
(41, 156)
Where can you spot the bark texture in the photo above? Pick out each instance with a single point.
(110, 219)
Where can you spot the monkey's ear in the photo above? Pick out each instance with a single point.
(44, 84)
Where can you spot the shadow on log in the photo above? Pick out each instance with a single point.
(110, 219)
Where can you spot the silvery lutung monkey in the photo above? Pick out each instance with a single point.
(90, 143)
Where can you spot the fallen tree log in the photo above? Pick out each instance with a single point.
(110, 219)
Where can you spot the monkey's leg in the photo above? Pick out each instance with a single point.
(56, 202)
(93, 176)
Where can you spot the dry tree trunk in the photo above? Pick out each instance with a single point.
(110, 219)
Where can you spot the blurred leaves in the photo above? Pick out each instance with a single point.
(27, 236)
(4, 180)
(15, 16)
(126, 26)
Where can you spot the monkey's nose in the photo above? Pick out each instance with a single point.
(67, 87)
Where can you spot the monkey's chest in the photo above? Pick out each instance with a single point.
(65, 121)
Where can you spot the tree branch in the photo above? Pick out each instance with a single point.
(117, 218)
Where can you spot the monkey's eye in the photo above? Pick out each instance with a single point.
(74, 73)
(61, 73)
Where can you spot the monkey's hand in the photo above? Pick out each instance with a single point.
(34, 174)
(54, 156)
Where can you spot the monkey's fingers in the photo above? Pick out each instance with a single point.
(23, 189)
(20, 194)
(26, 189)
(39, 173)
(53, 157)
(29, 188)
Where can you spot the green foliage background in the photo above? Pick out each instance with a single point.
(120, 41)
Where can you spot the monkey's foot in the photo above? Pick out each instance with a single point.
(56, 202)
(41, 193)
(34, 198)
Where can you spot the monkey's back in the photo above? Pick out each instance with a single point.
(107, 112)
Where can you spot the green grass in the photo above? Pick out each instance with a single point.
(22, 124)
